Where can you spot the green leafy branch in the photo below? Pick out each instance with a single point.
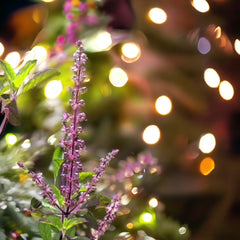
(14, 84)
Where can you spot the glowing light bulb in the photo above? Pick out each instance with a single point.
(151, 134)
(118, 77)
(207, 143)
(201, 5)
(153, 203)
(237, 46)
(2, 49)
(226, 90)
(130, 52)
(211, 78)
(11, 139)
(157, 15)
(207, 165)
(53, 89)
(163, 105)
(204, 46)
(13, 58)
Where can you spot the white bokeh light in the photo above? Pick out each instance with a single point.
(151, 134)
(163, 105)
(211, 78)
(13, 58)
(226, 90)
(53, 89)
(118, 77)
(157, 15)
(207, 143)
(201, 5)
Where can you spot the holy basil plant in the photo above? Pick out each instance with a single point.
(13, 84)
(71, 208)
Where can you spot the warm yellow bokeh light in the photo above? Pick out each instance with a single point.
(48, 1)
(157, 15)
(163, 105)
(201, 5)
(207, 143)
(103, 41)
(211, 78)
(151, 134)
(130, 225)
(13, 58)
(130, 52)
(153, 203)
(237, 46)
(207, 165)
(53, 89)
(226, 90)
(118, 77)
(2, 49)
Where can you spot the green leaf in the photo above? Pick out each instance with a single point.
(69, 223)
(14, 116)
(35, 203)
(85, 177)
(23, 72)
(80, 238)
(9, 73)
(49, 206)
(59, 197)
(57, 162)
(40, 78)
(54, 221)
(45, 231)
(4, 89)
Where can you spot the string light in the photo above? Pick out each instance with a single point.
(13, 58)
(163, 105)
(237, 46)
(130, 52)
(211, 77)
(207, 143)
(151, 134)
(204, 45)
(118, 77)
(201, 5)
(157, 15)
(207, 165)
(226, 90)
(2, 49)
(53, 89)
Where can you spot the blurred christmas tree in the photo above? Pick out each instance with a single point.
(163, 78)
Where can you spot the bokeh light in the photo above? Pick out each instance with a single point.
(53, 89)
(26, 144)
(134, 191)
(204, 46)
(39, 53)
(13, 58)
(207, 165)
(2, 49)
(211, 78)
(237, 46)
(130, 225)
(163, 105)
(201, 5)
(157, 15)
(146, 218)
(226, 90)
(151, 134)
(207, 143)
(182, 230)
(118, 77)
(130, 52)
(48, 1)
(11, 139)
(153, 203)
